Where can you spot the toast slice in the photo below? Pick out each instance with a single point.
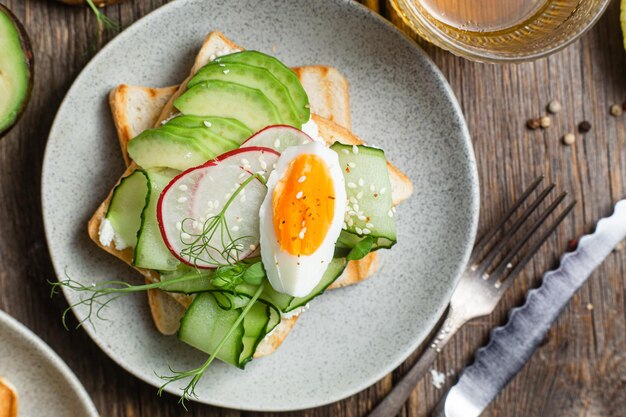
(167, 315)
(8, 399)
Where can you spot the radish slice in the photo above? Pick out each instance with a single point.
(278, 137)
(192, 201)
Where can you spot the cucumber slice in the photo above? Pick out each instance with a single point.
(223, 99)
(283, 73)
(370, 208)
(205, 323)
(213, 144)
(253, 77)
(151, 252)
(157, 148)
(227, 128)
(255, 328)
(127, 203)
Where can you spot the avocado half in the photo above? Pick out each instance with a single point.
(98, 3)
(16, 69)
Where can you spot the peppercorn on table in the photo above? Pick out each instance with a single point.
(562, 117)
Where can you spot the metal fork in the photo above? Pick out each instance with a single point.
(482, 285)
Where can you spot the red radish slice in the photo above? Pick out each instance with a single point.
(278, 137)
(192, 199)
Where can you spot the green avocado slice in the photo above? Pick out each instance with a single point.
(224, 99)
(282, 72)
(253, 77)
(16, 66)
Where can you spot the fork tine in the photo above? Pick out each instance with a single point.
(522, 263)
(509, 234)
(482, 242)
(531, 252)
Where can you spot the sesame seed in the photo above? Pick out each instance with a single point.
(303, 223)
(372, 188)
(263, 164)
(243, 174)
(216, 203)
(361, 182)
(183, 187)
(345, 226)
(273, 166)
(393, 209)
(207, 124)
(366, 231)
(369, 225)
(351, 164)
(243, 198)
(244, 161)
(226, 71)
(277, 143)
(355, 149)
(350, 222)
(352, 213)
(362, 217)
(211, 178)
(299, 195)
(235, 228)
(179, 226)
(227, 196)
(359, 195)
(351, 185)
(390, 213)
(252, 247)
(347, 152)
(355, 207)
(302, 179)
(359, 230)
(185, 235)
(302, 232)
(383, 191)
(352, 200)
(182, 199)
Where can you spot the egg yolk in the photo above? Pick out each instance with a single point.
(303, 205)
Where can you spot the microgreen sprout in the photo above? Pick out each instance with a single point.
(102, 19)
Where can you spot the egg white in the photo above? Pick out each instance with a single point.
(291, 274)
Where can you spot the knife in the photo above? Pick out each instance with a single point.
(513, 344)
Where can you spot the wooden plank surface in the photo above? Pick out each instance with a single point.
(580, 370)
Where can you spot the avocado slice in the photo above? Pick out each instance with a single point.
(212, 143)
(227, 128)
(253, 77)
(16, 69)
(224, 99)
(283, 73)
(157, 148)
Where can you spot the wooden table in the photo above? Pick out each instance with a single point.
(580, 370)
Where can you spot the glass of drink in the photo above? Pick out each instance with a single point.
(498, 30)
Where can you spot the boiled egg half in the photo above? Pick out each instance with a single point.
(301, 217)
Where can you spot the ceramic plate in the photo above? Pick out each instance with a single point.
(46, 387)
(352, 337)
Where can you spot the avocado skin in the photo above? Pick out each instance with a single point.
(30, 65)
